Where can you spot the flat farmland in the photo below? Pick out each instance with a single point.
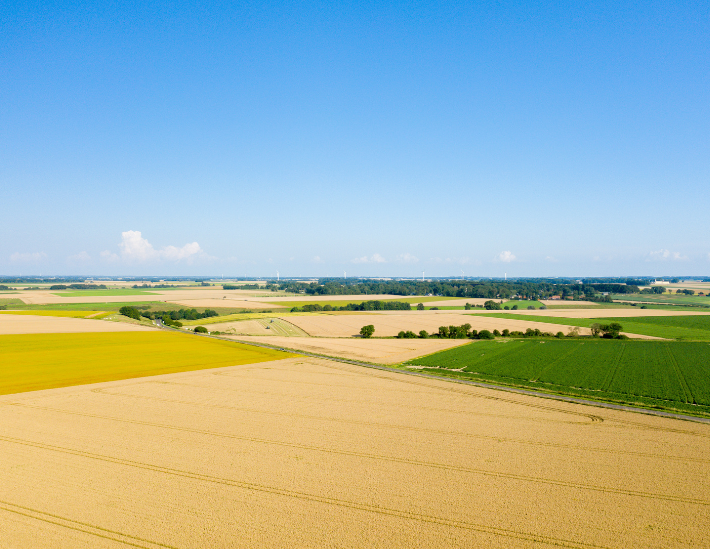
(67, 313)
(357, 298)
(666, 375)
(30, 362)
(601, 312)
(668, 299)
(695, 327)
(258, 326)
(213, 303)
(42, 324)
(390, 324)
(312, 453)
(379, 351)
(177, 295)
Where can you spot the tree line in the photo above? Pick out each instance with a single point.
(168, 317)
(78, 287)
(488, 289)
(375, 305)
(607, 331)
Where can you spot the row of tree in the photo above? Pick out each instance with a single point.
(608, 331)
(375, 305)
(489, 289)
(171, 316)
(78, 287)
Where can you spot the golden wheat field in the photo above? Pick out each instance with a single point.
(314, 453)
(391, 323)
(380, 351)
(36, 324)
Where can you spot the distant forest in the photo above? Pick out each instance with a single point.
(488, 289)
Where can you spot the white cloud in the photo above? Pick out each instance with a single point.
(317, 259)
(80, 258)
(406, 258)
(108, 256)
(28, 257)
(665, 255)
(505, 257)
(135, 248)
(374, 258)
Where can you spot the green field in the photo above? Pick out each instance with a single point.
(43, 361)
(654, 374)
(668, 299)
(687, 328)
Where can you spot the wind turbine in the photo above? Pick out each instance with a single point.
(462, 275)
(277, 276)
(345, 274)
(422, 276)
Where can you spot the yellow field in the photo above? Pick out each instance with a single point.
(43, 361)
(70, 314)
(310, 453)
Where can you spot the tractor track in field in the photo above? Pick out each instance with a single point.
(516, 390)
(275, 490)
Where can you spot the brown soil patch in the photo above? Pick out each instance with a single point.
(312, 453)
(31, 324)
(381, 351)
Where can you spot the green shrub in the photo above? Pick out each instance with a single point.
(130, 312)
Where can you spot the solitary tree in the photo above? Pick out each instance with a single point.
(367, 331)
(420, 307)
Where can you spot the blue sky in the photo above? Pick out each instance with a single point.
(384, 139)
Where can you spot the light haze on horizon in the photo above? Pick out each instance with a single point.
(310, 138)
